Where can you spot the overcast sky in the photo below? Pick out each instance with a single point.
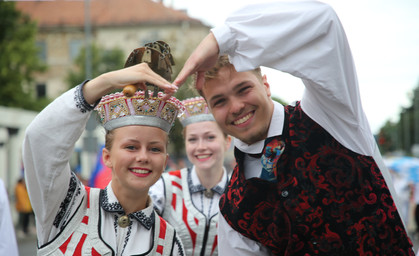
(383, 36)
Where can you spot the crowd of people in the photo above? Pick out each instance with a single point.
(308, 180)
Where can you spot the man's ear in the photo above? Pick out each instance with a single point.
(266, 84)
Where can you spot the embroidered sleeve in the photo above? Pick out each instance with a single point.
(81, 103)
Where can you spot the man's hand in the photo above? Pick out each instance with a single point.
(202, 59)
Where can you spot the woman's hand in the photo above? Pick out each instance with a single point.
(137, 75)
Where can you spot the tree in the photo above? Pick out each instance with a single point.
(102, 61)
(19, 59)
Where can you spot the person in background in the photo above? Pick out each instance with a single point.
(309, 178)
(73, 219)
(8, 243)
(188, 198)
(23, 206)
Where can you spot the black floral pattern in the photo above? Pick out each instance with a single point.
(327, 200)
(74, 190)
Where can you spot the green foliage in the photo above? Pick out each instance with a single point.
(19, 59)
(102, 61)
(387, 137)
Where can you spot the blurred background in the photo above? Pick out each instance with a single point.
(48, 47)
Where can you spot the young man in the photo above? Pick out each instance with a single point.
(309, 178)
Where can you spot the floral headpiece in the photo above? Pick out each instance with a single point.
(116, 110)
(196, 110)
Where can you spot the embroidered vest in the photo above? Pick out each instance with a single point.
(326, 199)
(80, 236)
(190, 224)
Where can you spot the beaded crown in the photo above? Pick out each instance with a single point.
(196, 110)
(116, 110)
(144, 107)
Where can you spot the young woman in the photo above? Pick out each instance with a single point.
(188, 198)
(119, 220)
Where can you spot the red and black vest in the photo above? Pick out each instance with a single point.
(326, 199)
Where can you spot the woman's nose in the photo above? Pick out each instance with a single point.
(142, 156)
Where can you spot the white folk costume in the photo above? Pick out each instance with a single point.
(71, 218)
(181, 199)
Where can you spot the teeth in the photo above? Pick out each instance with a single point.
(140, 171)
(202, 156)
(243, 119)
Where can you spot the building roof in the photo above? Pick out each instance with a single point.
(57, 13)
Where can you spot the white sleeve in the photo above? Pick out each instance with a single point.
(156, 193)
(47, 147)
(8, 244)
(230, 242)
(306, 40)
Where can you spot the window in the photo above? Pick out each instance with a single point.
(42, 50)
(41, 91)
(75, 48)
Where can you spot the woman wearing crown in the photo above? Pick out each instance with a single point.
(73, 219)
(188, 198)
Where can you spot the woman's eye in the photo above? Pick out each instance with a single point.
(191, 140)
(154, 149)
(130, 147)
(211, 137)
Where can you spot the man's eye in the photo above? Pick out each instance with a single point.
(244, 89)
(218, 103)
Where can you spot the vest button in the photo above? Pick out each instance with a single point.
(284, 193)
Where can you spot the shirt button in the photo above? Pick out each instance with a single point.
(284, 193)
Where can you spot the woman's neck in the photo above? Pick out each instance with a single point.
(209, 178)
(132, 201)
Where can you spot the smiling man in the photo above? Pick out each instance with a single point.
(309, 178)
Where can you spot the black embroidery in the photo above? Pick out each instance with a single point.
(74, 189)
(179, 246)
(140, 216)
(81, 103)
(147, 222)
(127, 238)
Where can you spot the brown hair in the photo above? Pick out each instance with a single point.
(109, 137)
(223, 61)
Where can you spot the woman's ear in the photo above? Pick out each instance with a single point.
(106, 157)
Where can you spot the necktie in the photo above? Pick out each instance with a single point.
(271, 153)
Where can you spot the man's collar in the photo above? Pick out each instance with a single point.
(275, 129)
